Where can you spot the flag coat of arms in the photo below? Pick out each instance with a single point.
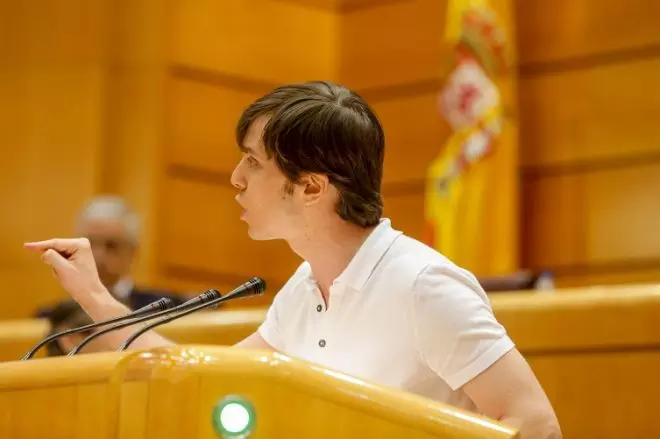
(471, 195)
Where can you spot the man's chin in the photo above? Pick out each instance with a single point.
(259, 235)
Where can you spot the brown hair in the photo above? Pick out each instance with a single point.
(321, 127)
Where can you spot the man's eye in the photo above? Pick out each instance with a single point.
(252, 161)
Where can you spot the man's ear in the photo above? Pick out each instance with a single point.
(314, 187)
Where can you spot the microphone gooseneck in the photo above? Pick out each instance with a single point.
(254, 287)
(203, 298)
(157, 306)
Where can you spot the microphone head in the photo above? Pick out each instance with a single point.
(256, 286)
(209, 295)
(164, 303)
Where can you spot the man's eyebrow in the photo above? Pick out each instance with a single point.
(246, 149)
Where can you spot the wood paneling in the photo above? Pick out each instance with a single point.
(133, 135)
(551, 225)
(51, 83)
(590, 146)
(612, 275)
(259, 39)
(579, 342)
(414, 134)
(406, 212)
(593, 217)
(399, 43)
(396, 43)
(202, 231)
(589, 400)
(574, 321)
(341, 6)
(551, 30)
(600, 113)
(201, 124)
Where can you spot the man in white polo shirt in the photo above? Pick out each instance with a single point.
(368, 301)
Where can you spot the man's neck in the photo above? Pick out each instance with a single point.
(329, 249)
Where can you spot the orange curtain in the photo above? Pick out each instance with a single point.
(471, 206)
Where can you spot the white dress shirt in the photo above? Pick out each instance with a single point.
(400, 315)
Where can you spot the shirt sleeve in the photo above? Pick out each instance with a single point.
(456, 332)
(270, 329)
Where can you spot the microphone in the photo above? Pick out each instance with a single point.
(202, 299)
(254, 287)
(158, 305)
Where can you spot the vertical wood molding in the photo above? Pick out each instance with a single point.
(134, 120)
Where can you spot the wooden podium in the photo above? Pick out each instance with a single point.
(196, 391)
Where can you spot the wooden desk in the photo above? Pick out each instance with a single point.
(597, 355)
(596, 351)
(171, 393)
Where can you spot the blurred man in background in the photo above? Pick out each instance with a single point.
(113, 230)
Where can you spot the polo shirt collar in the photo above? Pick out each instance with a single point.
(369, 255)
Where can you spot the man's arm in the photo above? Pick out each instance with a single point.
(102, 306)
(460, 339)
(73, 265)
(509, 392)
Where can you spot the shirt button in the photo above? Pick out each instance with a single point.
(322, 343)
(319, 308)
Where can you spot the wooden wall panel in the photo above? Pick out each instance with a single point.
(201, 124)
(585, 406)
(552, 30)
(341, 6)
(551, 221)
(396, 43)
(414, 132)
(133, 135)
(648, 273)
(51, 83)
(202, 237)
(256, 39)
(406, 212)
(622, 219)
(606, 112)
(590, 147)
(591, 219)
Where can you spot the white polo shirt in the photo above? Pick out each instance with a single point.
(401, 315)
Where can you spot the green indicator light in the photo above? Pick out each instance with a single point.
(233, 417)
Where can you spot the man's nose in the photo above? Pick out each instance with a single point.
(237, 180)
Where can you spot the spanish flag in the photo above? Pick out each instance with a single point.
(471, 200)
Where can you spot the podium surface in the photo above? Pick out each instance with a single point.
(205, 391)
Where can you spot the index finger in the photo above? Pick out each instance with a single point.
(60, 245)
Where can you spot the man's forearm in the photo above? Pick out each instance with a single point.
(102, 306)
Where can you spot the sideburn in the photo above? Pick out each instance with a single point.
(288, 189)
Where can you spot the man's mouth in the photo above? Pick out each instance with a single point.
(244, 211)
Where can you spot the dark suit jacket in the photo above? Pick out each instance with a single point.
(137, 298)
